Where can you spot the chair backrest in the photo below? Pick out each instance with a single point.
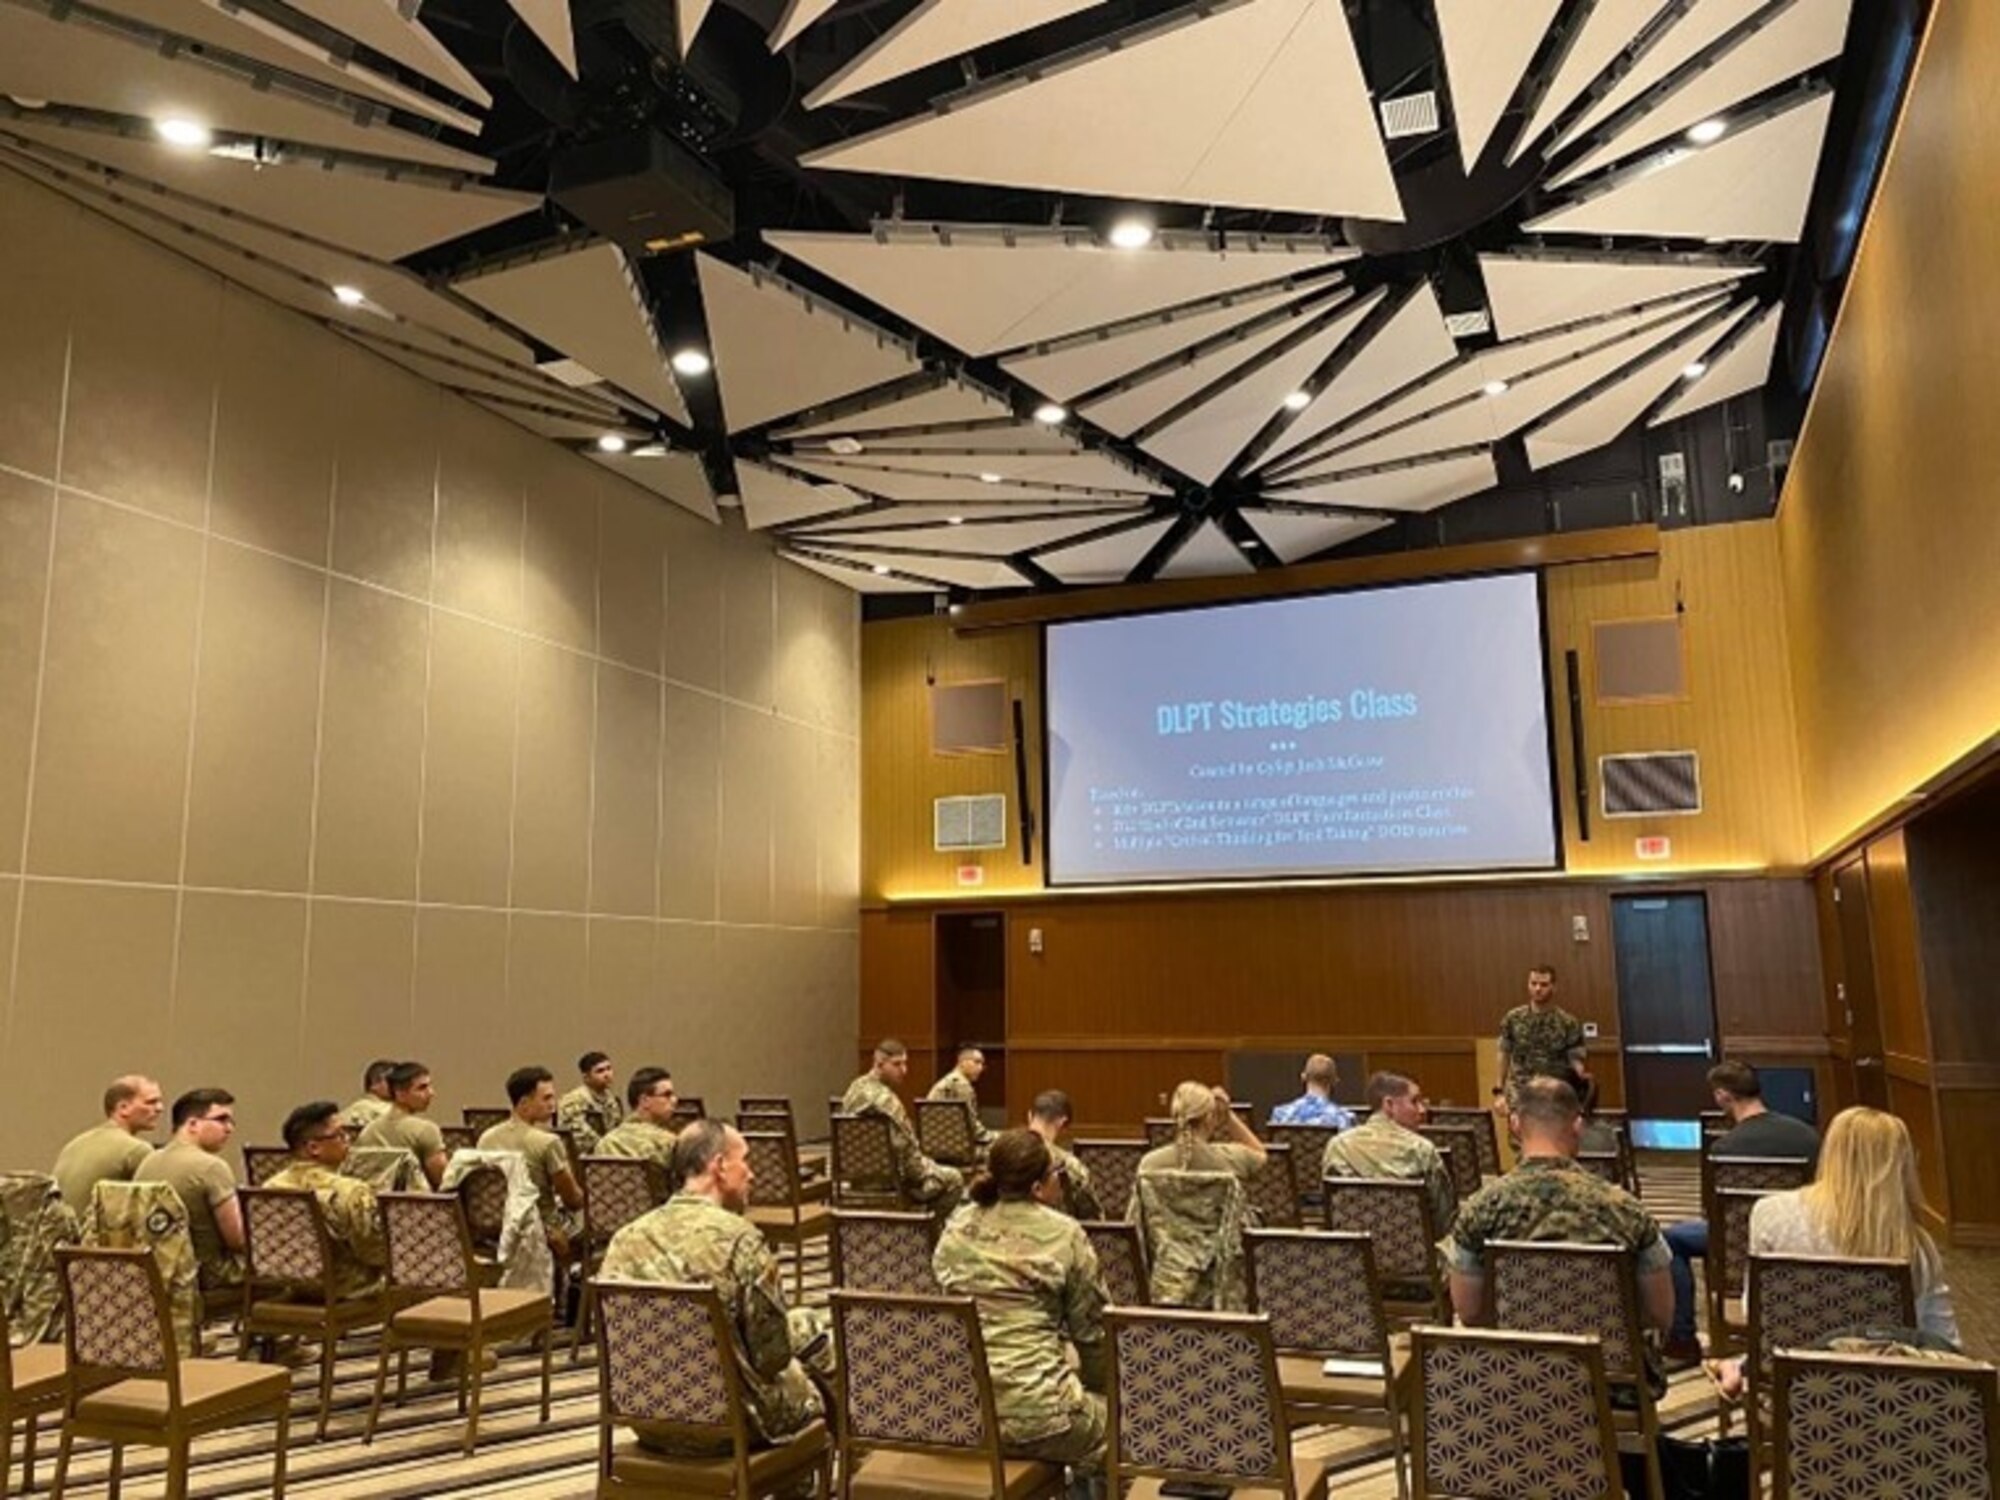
(1159, 1131)
(150, 1216)
(1761, 1174)
(864, 1157)
(387, 1169)
(1926, 1430)
(1484, 1137)
(285, 1238)
(1460, 1146)
(1194, 1396)
(1729, 1239)
(946, 1129)
(1274, 1193)
(1513, 1416)
(1121, 1256)
(118, 1325)
(572, 1143)
(459, 1137)
(665, 1358)
(765, 1104)
(617, 1190)
(687, 1109)
(883, 1252)
(774, 1168)
(262, 1163)
(1556, 1287)
(1715, 1122)
(1604, 1164)
(430, 1249)
(1395, 1213)
(1797, 1300)
(768, 1121)
(1192, 1223)
(479, 1121)
(1113, 1168)
(1320, 1292)
(483, 1191)
(912, 1373)
(1308, 1143)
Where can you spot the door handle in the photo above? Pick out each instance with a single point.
(1668, 1049)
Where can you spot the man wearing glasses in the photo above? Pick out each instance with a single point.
(319, 1145)
(192, 1165)
(647, 1132)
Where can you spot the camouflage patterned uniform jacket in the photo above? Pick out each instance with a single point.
(353, 1223)
(641, 1140)
(955, 1085)
(589, 1116)
(1379, 1147)
(1080, 1200)
(1538, 1044)
(1035, 1278)
(922, 1178)
(34, 1220)
(690, 1239)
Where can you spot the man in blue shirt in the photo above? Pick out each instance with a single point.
(1315, 1106)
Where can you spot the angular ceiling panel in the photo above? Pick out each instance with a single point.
(1753, 184)
(983, 293)
(1293, 536)
(907, 485)
(798, 15)
(1207, 553)
(777, 350)
(1698, 27)
(1101, 512)
(1609, 27)
(689, 14)
(857, 576)
(946, 402)
(1194, 108)
(994, 538)
(678, 476)
(1743, 366)
(1077, 469)
(1488, 45)
(1126, 411)
(1420, 486)
(946, 572)
(937, 30)
(774, 498)
(1106, 560)
(1529, 291)
(550, 22)
(383, 26)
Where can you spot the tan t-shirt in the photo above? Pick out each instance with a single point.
(403, 1131)
(103, 1153)
(205, 1183)
(541, 1150)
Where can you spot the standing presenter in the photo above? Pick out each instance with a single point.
(1539, 1039)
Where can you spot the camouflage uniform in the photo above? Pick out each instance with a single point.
(690, 1239)
(1379, 1147)
(1192, 1222)
(1552, 1198)
(589, 1116)
(364, 1112)
(955, 1085)
(1538, 1044)
(928, 1182)
(151, 1216)
(34, 1219)
(1037, 1284)
(1080, 1200)
(353, 1223)
(642, 1140)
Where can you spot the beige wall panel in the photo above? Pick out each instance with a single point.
(681, 1029)
(807, 664)
(795, 797)
(552, 779)
(749, 621)
(385, 484)
(842, 608)
(461, 991)
(469, 762)
(256, 722)
(619, 997)
(690, 813)
(694, 602)
(359, 963)
(631, 575)
(838, 812)
(479, 514)
(784, 1017)
(27, 516)
(10, 901)
(749, 775)
(38, 288)
(625, 827)
(560, 548)
(371, 745)
(236, 1012)
(548, 974)
(276, 429)
(111, 763)
(91, 1001)
(139, 416)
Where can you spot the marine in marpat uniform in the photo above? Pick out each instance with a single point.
(1539, 1039)
(353, 1222)
(1386, 1144)
(591, 1110)
(928, 1182)
(1049, 1117)
(1032, 1273)
(646, 1134)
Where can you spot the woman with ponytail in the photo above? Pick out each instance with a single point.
(1031, 1270)
(1208, 1137)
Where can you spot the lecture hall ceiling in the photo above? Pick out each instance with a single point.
(1049, 293)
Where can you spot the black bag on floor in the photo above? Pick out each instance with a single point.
(1696, 1469)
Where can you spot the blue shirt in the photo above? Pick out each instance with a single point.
(1310, 1109)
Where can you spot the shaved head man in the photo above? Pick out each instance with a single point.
(111, 1151)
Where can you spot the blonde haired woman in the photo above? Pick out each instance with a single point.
(1208, 1136)
(1864, 1203)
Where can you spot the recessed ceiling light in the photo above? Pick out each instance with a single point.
(1298, 401)
(1708, 131)
(1051, 415)
(954, 520)
(661, 450)
(1495, 388)
(349, 296)
(881, 568)
(1694, 371)
(611, 442)
(989, 477)
(690, 362)
(846, 447)
(1132, 234)
(189, 135)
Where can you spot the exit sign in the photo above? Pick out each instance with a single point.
(971, 875)
(1659, 846)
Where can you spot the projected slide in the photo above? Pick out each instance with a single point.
(1387, 731)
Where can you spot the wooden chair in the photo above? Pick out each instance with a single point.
(765, 1104)
(687, 1109)
(922, 1427)
(1798, 1300)
(262, 1163)
(430, 1258)
(483, 1191)
(814, 1184)
(479, 1121)
(1485, 1138)
(1728, 1265)
(1397, 1214)
(778, 1202)
(1604, 1165)
(33, 1382)
(459, 1138)
(1911, 1428)
(1591, 1291)
(1459, 1145)
(128, 1385)
(864, 1164)
(666, 1360)
(1714, 1123)
(289, 1292)
(1513, 1416)
(1762, 1174)
(1159, 1132)
(1325, 1305)
(884, 1252)
(387, 1169)
(948, 1131)
(1194, 1398)
(616, 1190)
(1121, 1257)
(1274, 1193)
(1114, 1170)
(1308, 1143)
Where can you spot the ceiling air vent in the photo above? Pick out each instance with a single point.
(1467, 325)
(1413, 114)
(970, 822)
(1650, 786)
